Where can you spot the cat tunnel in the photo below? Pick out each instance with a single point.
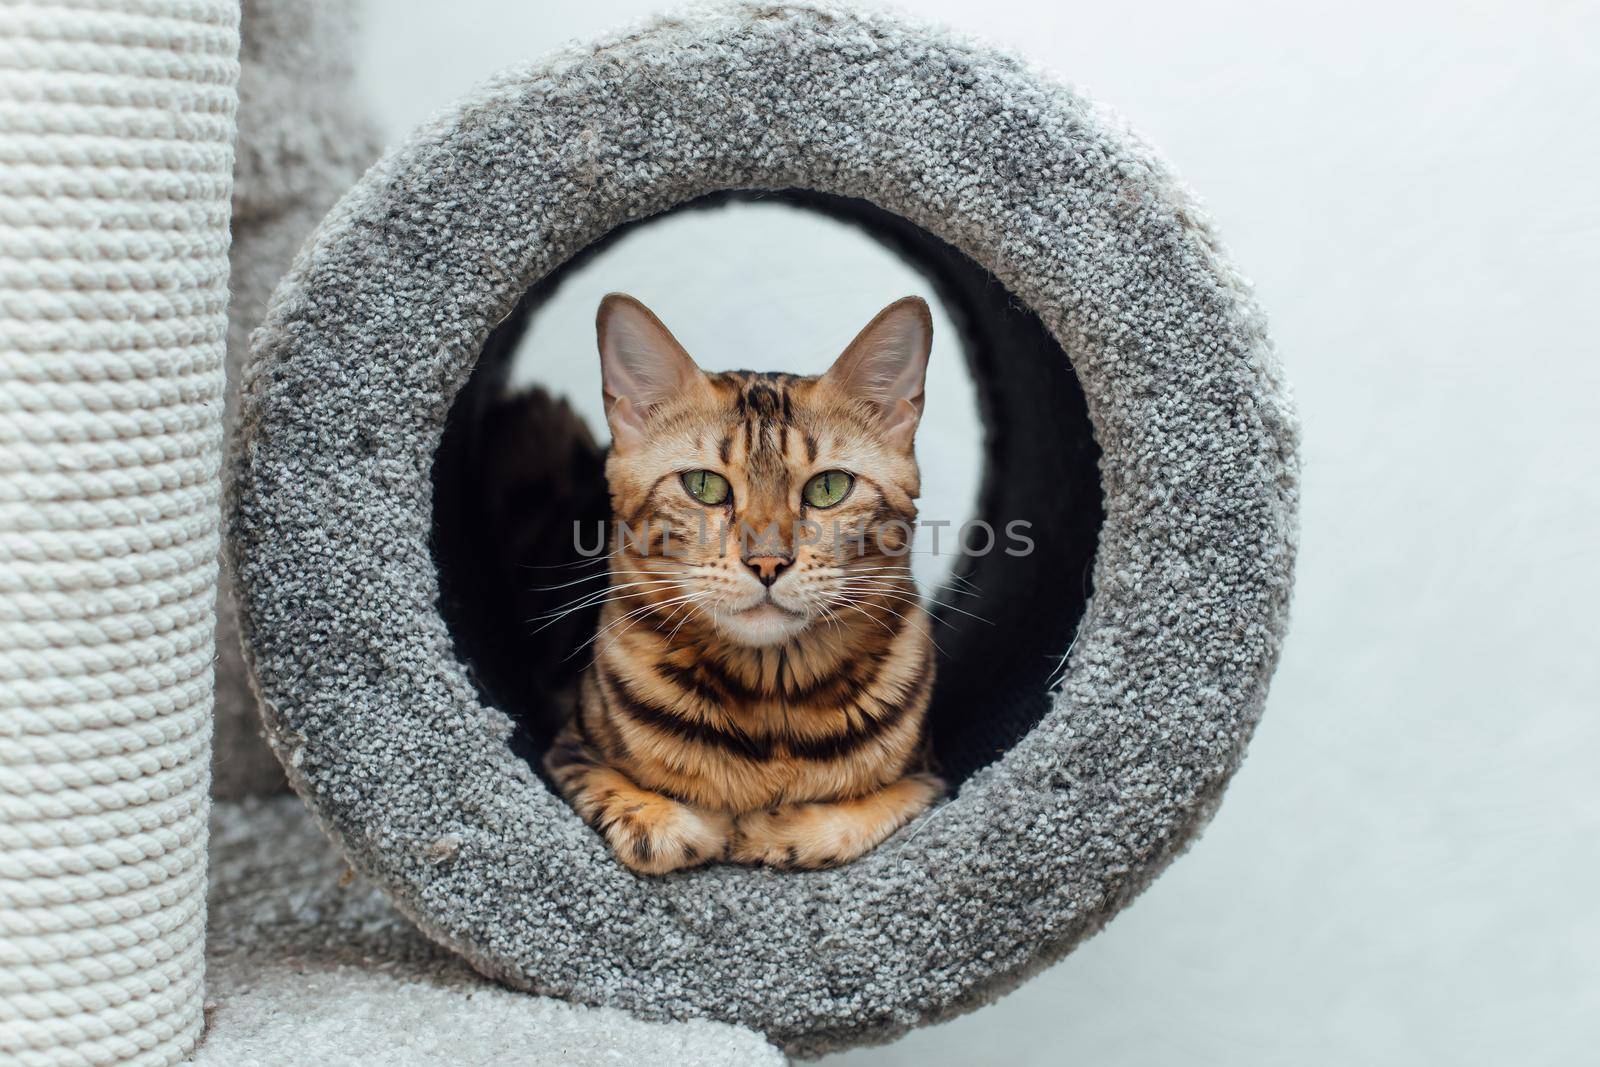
(1135, 417)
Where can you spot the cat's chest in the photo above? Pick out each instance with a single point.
(804, 754)
(702, 730)
(785, 755)
(783, 778)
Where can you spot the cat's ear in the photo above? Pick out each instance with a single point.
(641, 365)
(885, 365)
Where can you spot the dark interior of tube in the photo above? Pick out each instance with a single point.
(1041, 468)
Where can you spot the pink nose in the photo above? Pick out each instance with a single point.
(767, 568)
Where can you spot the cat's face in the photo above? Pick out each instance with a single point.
(767, 503)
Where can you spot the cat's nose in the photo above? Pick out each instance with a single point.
(767, 568)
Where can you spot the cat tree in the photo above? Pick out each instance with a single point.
(1108, 768)
(1135, 411)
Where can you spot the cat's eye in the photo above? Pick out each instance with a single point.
(827, 489)
(708, 487)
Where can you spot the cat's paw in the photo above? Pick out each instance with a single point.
(820, 835)
(789, 839)
(655, 835)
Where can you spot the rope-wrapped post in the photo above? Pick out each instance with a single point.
(116, 157)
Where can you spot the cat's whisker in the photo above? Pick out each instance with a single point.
(673, 614)
(645, 609)
(861, 607)
(595, 637)
(592, 561)
(610, 597)
(913, 550)
(594, 578)
(597, 595)
(589, 562)
(885, 588)
(901, 571)
(1060, 673)
(875, 596)
(857, 607)
(829, 616)
(863, 600)
(937, 618)
(887, 577)
(692, 607)
(950, 581)
(635, 616)
(968, 590)
(602, 576)
(891, 591)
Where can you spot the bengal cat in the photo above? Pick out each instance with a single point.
(763, 661)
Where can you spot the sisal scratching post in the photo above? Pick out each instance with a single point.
(116, 157)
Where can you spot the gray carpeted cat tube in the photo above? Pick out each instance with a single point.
(1141, 713)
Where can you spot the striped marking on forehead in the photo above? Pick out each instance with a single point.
(765, 430)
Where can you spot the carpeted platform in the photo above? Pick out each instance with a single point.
(307, 963)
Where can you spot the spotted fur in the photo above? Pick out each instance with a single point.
(759, 685)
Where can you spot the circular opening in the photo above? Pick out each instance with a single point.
(371, 342)
(1008, 444)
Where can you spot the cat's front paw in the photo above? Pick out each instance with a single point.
(656, 835)
(820, 835)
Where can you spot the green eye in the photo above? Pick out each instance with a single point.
(828, 488)
(708, 487)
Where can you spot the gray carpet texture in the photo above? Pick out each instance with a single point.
(303, 140)
(377, 326)
(308, 964)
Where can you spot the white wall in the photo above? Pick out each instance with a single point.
(1406, 869)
